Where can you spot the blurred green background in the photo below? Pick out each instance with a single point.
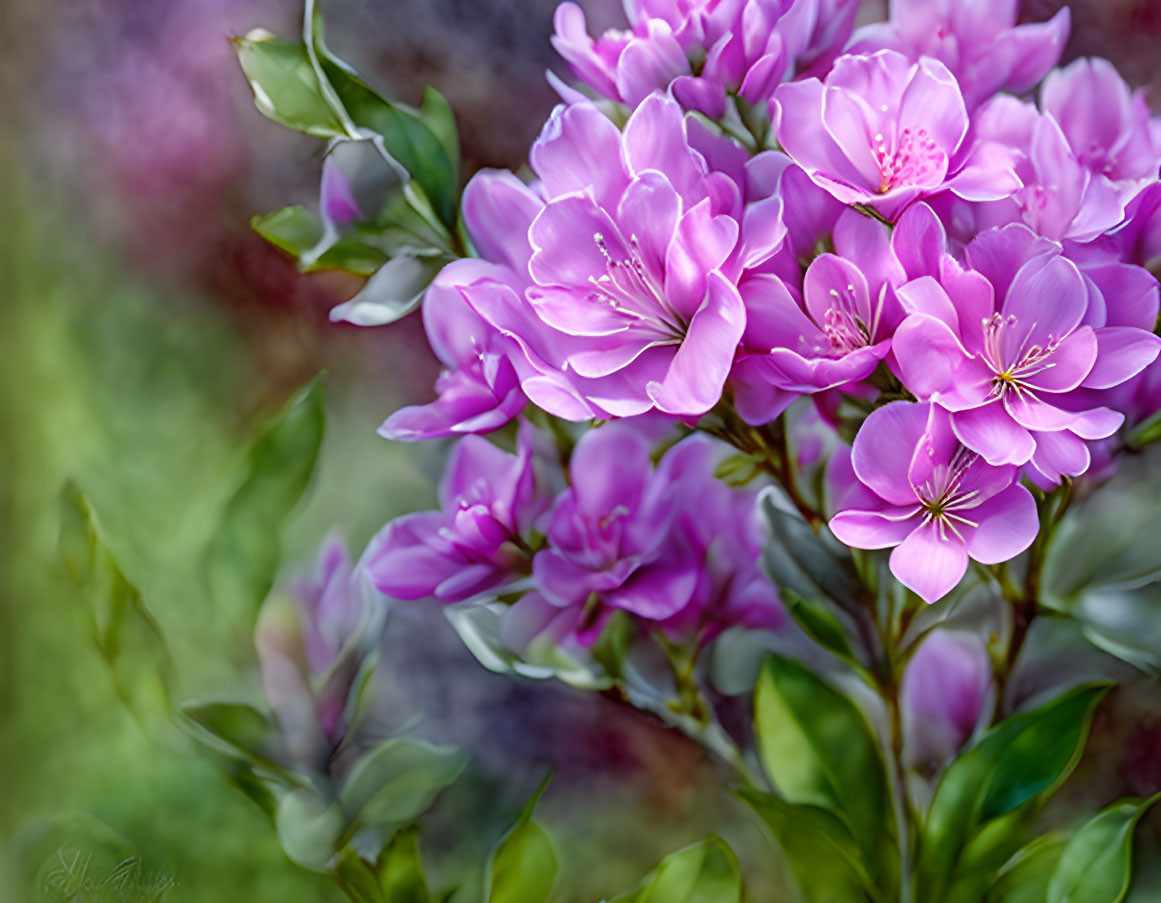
(145, 336)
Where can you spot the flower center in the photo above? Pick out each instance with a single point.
(915, 160)
(944, 501)
(629, 288)
(1013, 360)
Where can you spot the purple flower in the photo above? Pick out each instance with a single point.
(670, 545)
(720, 529)
(743, 46)
(312, 639)
(633, 303)
(979, 42)
(1108, 126)
(932, 500)
(835, 335)
(1061, 198)
(1004, 346)
(490, 501)
(944, 689)
(479, 389)
(883, 131)
(608, 535)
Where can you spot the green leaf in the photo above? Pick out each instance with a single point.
(523, 868)
(125, 631)
(437, 115)
(397, 781)
(819, 848)
(1025, 879)
(819, 622)
(1017, 762)
(1096, 866)
(400, 869)
(308, 828)
(406, 137)
(297, 231)
(706, 872)
(819, 750)
(246, 550)
(234, 728)
(285, 86)
(813, 565)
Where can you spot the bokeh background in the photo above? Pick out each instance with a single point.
(146, 333)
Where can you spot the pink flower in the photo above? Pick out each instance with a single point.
(742, 46)
(932, 500)
(945, 686)
(1108, 126)
(490, 501)
(884, 132)
(632, 303)
(1005, 345)
(830, 335)
(479, 389)
(979, 42)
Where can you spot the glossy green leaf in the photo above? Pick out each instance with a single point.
(1025, 879)
(246, 550)
(297, 231)
(125, 631)
(397, 781)
(706, 872)
(523, 868)
(1096, 866)
(819, 622)
(437, 115)
(819, 750)
(826, 862)
(400, 869)
(406, 137)
(284, 84)
(1016, 763)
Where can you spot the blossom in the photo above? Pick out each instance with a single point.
(1108, 127)
(942, 696)
(490, 502)
(1004, 345)
(607, 536)
(1061, 198)
(312, 638)
(883, 131)
(742, 46)
(479, 389)
(833, 334)
(979, 42)
(633, 303)
(670, 544)
(932, 500)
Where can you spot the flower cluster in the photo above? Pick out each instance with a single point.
(911, 237)
(669, 544)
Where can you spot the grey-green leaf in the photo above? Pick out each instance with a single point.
(1096, 866)
(390, 294)
(308, 828)
(246, 549)
(397, 781)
